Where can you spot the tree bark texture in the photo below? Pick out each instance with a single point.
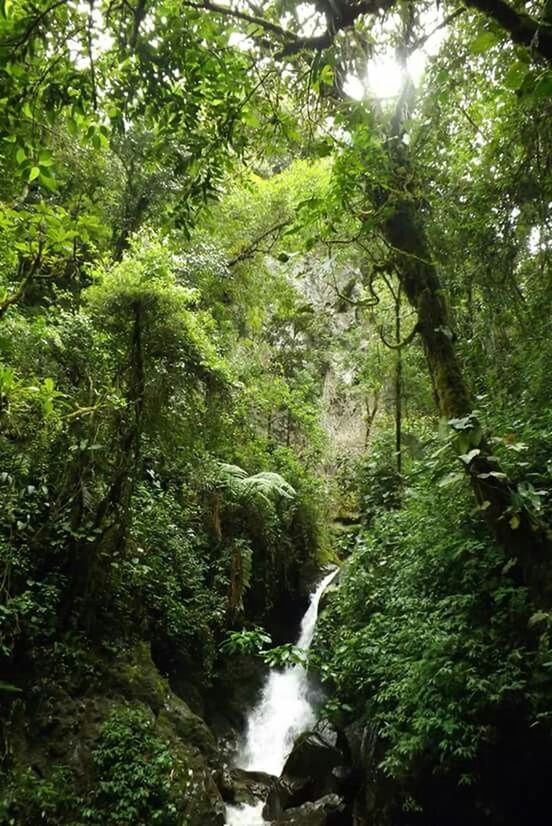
(404, 231)
(522, 28)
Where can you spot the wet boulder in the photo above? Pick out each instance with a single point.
(309, 773)
(327, 811)
(314, 754)
(240, 787)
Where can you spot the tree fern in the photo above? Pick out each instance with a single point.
(265, 487)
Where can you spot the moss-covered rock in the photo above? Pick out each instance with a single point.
(131, 753)
(327, 811)
(239, 787)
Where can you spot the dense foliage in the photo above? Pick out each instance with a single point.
(254, 315)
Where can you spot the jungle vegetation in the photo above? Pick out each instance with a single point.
(223, 231)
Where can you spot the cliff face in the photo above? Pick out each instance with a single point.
(121, 747)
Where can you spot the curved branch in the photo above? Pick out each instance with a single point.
(254, 246)
(339, 15)
(421, 41)
(26, 279)
(400, 344)
(261, 22)
(361, 302)
(35, 22)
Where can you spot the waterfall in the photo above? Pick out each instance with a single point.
(283, 712)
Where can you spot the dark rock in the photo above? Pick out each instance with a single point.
(188, 726)
(240, 787)
(282, 795)
(186, 690)
(313, 755)
(327, 811)
(327, 732)
(361, 786)
(236, 689)
(65, 732)
(307, 774)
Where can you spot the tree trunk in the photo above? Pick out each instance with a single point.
(370, 416)
(398, 383)
(404, 231)
(111, 521)
(288, 428)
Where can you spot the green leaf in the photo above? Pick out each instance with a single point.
(461, 424)
(515, 76)
(9, 688)
(451, 479)
(250, 118)
(45, 158)
(20, 156)
(48, 182)
(483, 42)
(327, 75)
(34, 173)
(509, 565)
(543, 86)
(536, 618)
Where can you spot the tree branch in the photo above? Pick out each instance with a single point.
(339, 16)
(22, 39)
(360, 302)
(521, 27)
(16, 296)
(254, 246)
(266, 25)
(400, 344)
(421, 41)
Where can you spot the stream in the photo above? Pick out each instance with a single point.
(283, 712)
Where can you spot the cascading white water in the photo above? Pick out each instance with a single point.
(283, 712)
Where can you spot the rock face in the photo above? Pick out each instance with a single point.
(240, 787)
(327, 811)
(362, 745)
(237, 688)
(127, 739)
(314, 771)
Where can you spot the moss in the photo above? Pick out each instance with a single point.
(84, 759)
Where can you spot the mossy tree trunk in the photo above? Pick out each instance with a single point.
(404, 231)
(111, 521)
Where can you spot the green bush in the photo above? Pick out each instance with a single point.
(167, 577)
(134, 774)
(378, 483)
(31, 800)
(431, 639)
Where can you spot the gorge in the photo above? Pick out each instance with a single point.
(275, 293)
(283, 712)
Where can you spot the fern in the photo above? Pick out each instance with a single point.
(268, 486)
(265, 487)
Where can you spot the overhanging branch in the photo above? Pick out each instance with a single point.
(522, 28)
(255, 246)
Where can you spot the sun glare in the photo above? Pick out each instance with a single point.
(385, 75)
